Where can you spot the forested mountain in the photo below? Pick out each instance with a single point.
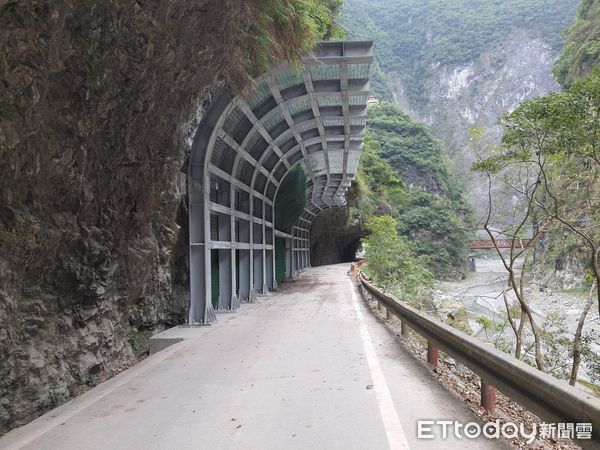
(582, 49)
(404, 173)
(456, 65)
(459, 66)
(415, 37)
(549, 161)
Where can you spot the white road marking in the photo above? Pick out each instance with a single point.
(387, 409)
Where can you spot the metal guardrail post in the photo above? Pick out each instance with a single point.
(488, 396)
(432, 354)
(404, 329)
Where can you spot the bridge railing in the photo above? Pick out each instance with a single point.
(481, 244)
(551, 399)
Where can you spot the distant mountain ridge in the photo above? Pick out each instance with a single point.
(456, 65)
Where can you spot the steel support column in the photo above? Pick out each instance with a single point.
(201, 309)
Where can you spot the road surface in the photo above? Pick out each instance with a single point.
(307, 367)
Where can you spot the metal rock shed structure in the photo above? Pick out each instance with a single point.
(315, 117)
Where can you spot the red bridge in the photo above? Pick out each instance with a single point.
(500, 243)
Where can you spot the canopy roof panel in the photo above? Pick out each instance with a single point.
(314, 115)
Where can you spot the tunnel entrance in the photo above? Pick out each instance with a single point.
(264, 164)
(335, 237)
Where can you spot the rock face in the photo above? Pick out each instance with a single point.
(97, 104)
(569, 270)
(560, 263)
(474, 95)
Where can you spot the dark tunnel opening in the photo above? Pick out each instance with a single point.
(351, 249)
(335, 237)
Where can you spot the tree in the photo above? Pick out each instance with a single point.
(391, 262)
(553, 144)
(559, 137)
(526, 183)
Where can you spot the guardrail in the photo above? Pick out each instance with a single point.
(551, 399)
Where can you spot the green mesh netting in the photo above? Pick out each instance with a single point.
(279, 259)
(290, 200)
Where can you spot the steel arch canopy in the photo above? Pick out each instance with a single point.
(314, 116)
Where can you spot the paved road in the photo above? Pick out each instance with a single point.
(306, 368)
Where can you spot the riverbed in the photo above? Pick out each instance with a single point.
(480, 293)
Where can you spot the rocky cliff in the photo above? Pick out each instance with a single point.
(473, 95)
(97, 106)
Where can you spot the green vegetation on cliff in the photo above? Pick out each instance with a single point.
(391, 260)
(403, 174)
(286, 29)
(414, 37)
(582, 47)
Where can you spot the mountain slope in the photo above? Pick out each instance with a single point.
(582, 48)
(456, 65)
(415, 37)
(406, 175)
